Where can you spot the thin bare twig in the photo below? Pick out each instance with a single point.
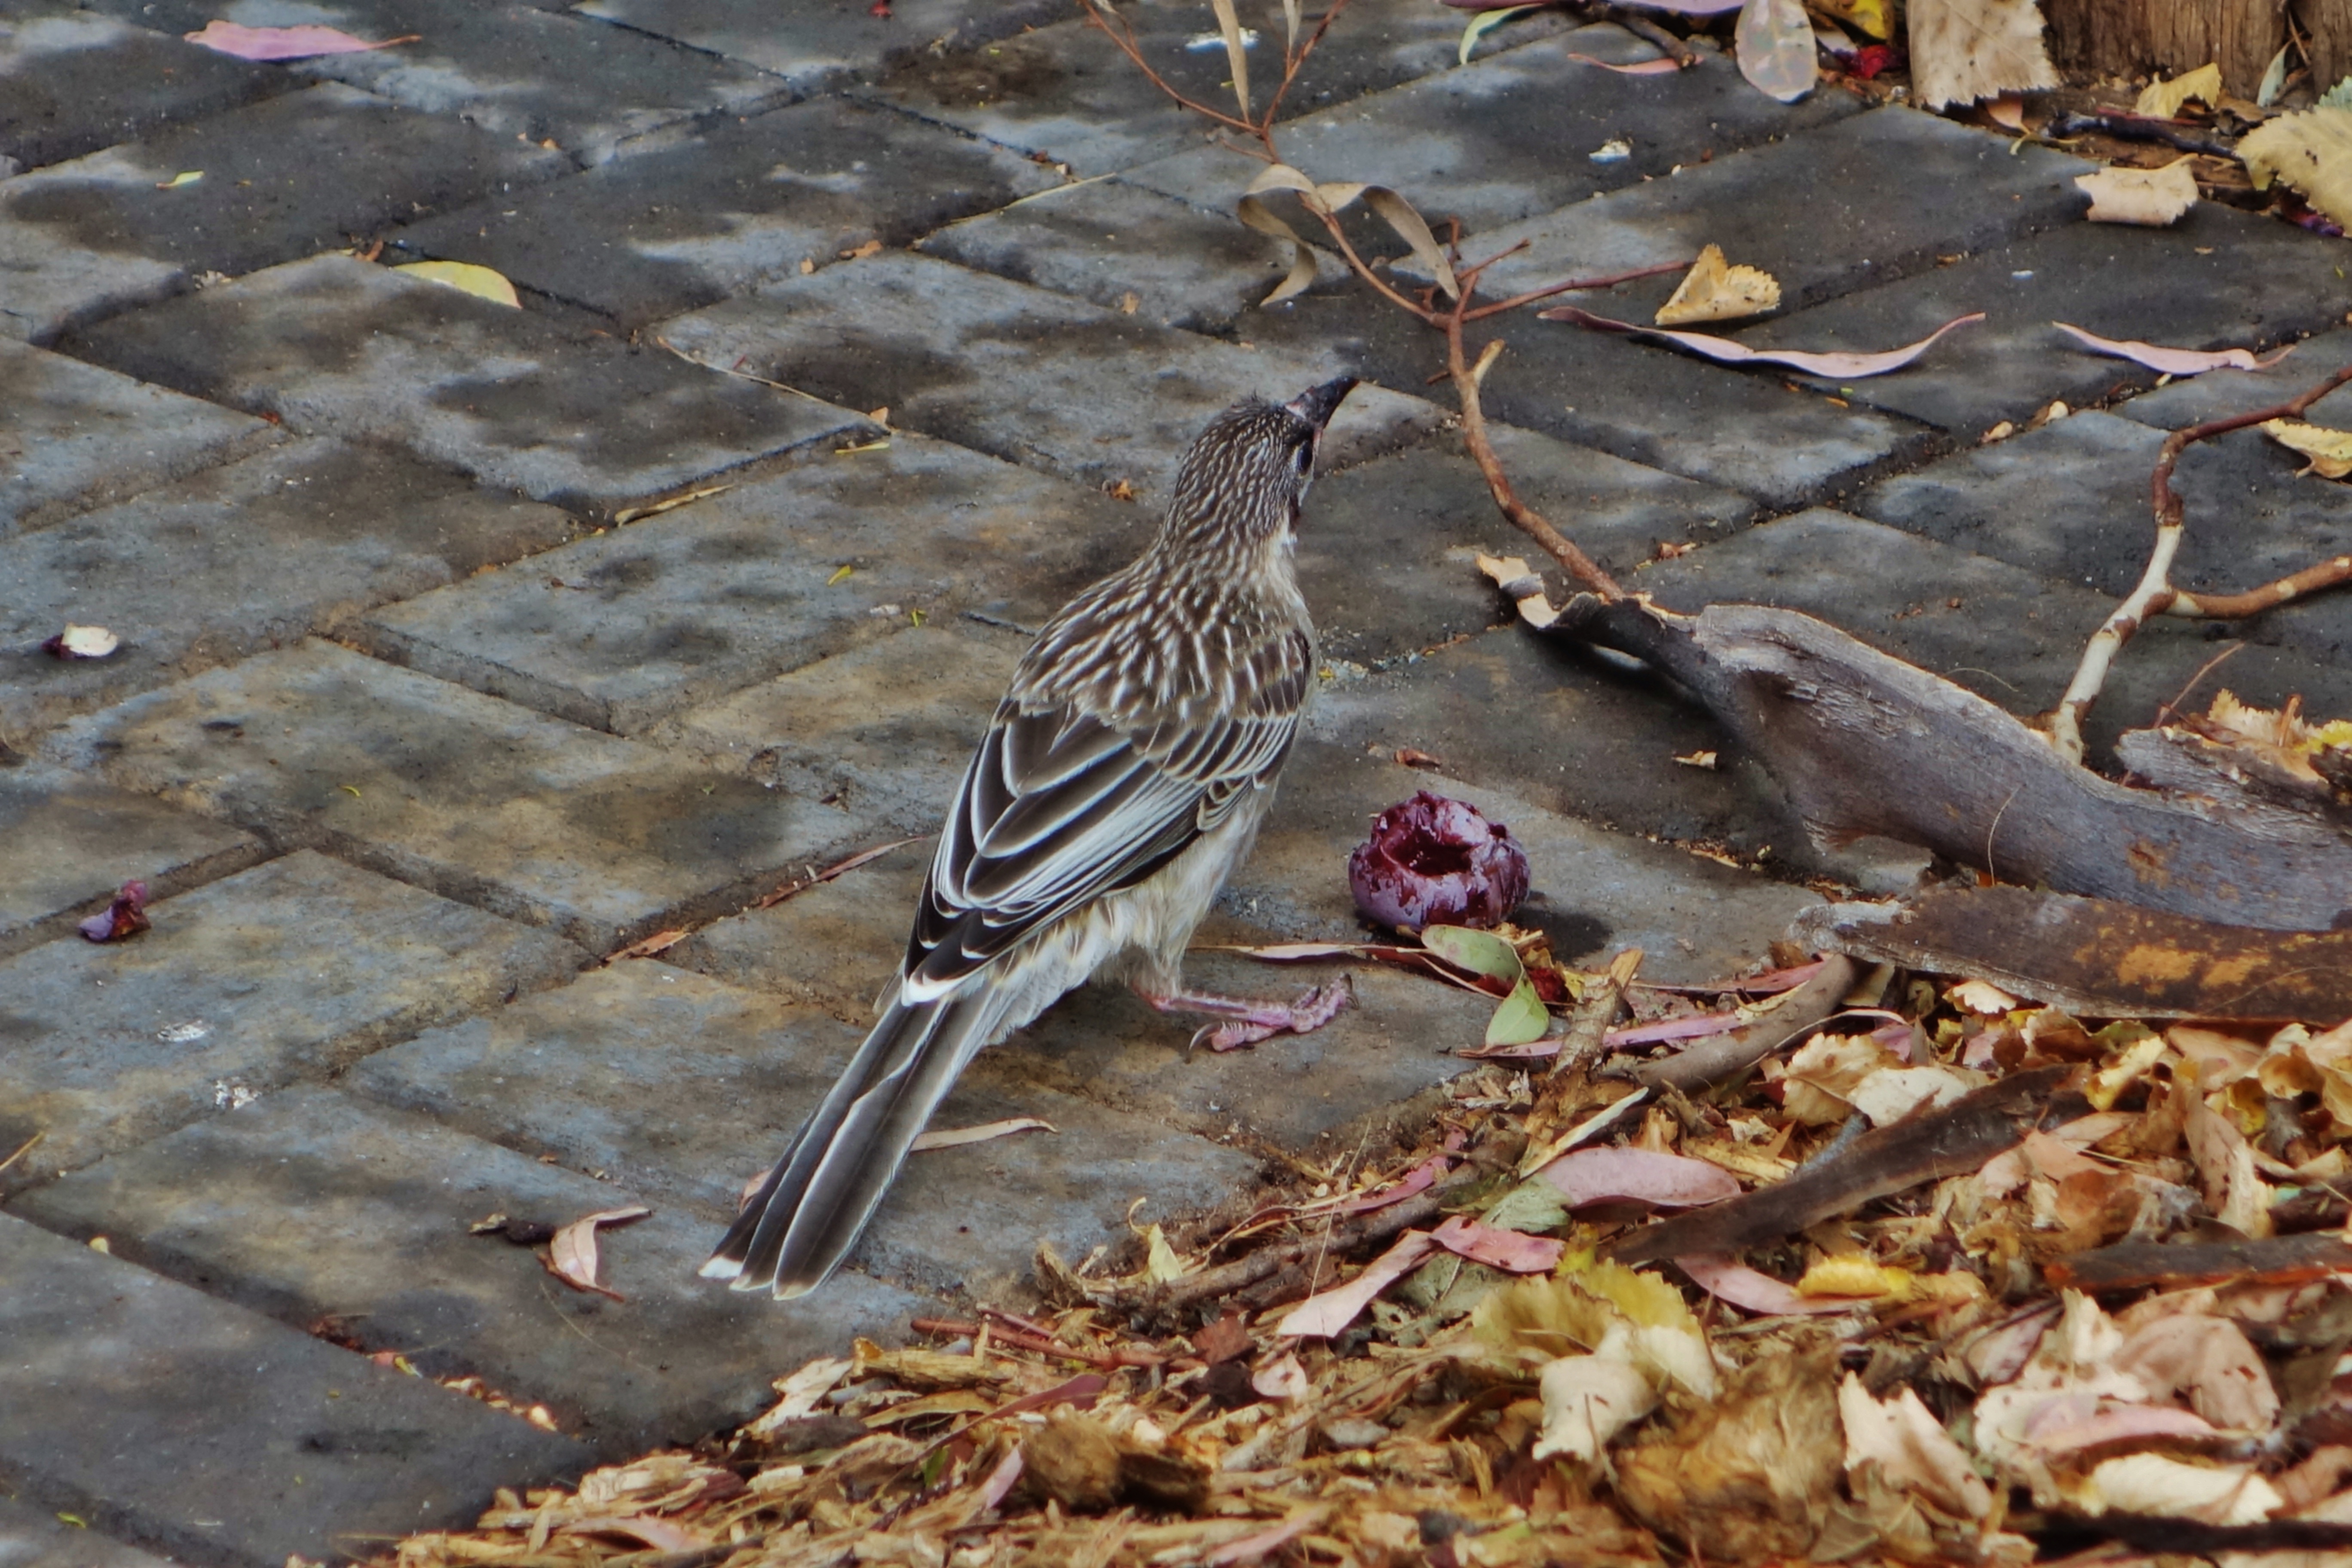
(2155, 594)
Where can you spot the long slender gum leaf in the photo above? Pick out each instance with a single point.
(1409, 228)
(1481, 24)
(1290, 9)
(1230, 26)
(1253, 215)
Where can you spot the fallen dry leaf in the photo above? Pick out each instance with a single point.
(2162, 100)
(572, 1256)
(1320, 1317)
(1712, 291)
(285, 43)
(956, 1137)
(2152, 198)
(1587, 1401)
(1640, 68)
(646, 947)
(1589, 1177)
(1755, 1291)
(1838, 365)
(481, 282)
(2173, 361)
(1508, 1250)
(2330, 451)
(81, 642)
(1964, 50)
(1774, 41)
(1910, 1448)
(2311, 151)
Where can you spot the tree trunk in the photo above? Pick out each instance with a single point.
(2129, 38)
(2328, 24)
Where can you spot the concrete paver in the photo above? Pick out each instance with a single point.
(526, 816)
(682, 1088)
(243, 435)
(79, 436)
(244, 557)
(73, 841)
(333, 346)
(209, 1434)
(671, 229)
(616, 631)
(291, 175)
(1119, 398)
(284, 971)
(310, 1206)
(2221, 393)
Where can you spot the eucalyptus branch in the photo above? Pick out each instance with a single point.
(2156, 595)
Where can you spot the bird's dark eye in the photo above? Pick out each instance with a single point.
(1306, 458)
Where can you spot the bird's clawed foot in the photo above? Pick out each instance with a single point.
(1247, 1022)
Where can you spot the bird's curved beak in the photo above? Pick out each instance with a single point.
(1317, 403)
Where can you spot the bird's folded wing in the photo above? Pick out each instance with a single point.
(1057, 808)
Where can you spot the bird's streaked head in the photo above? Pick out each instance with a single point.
(1247, 477)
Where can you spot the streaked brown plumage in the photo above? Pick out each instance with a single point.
(1123, 777)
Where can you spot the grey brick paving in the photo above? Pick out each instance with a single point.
(73, 841)
(529, 817)
(244, 557)
(285, 971)
(333, 346)
(74, 83)
(382, 1248)
(669, 230)
(283, 178)
(406, 725)
(78, 436)
(616, 631)
(204, 1431)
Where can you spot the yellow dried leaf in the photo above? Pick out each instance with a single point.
(2312, 152)
(2151, 198)
(1871, 18)
(2330, 451)
(1715, 291)
(1856, 1275)
(1964, 50)
(466, 278)
(2163, 98)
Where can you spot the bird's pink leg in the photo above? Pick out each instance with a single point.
(1249, 1021)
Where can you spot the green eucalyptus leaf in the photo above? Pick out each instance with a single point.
(1522, 1017)
(1534, 1207)
(1479, 952)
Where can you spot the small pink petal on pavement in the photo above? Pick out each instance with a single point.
(284, 43)
(1844, 366)
(1660, 67)
(2173, 361)
(1647, 1175)
(1511, 1251)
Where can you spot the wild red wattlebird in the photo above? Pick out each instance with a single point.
(1123, 777)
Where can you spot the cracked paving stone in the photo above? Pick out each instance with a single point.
(1112, 397)
(2070, 501)
(522, 815)
(618, 631)
(2220, 278)
(212, 1434)
(247, 556)
(72, 842)
(1960, 190)
(313, 1206)
(1512, 136)
(287, 970)
(335, 346)
(283, 178)
(1067, 93)
(2010, 635)
(830, 42)
(885, 729)
(79, 436)
(73, 83)
(677, 228)
(681, 1087)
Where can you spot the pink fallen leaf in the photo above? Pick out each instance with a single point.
(1417, 1180)
(2072, 1423)
(659, 1533)
(1842, 366)
(286, 43)
(1511, 1251)
(1250, 1548)
(1660, 67)
(2173, 361)
(1646, 1175)
(1282, 1378)
(125, 917)
(956, 1137)
(1689, 1028)
(999, 1479)
(572, 1256)
(1320, 1317)
(1753, 1292)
